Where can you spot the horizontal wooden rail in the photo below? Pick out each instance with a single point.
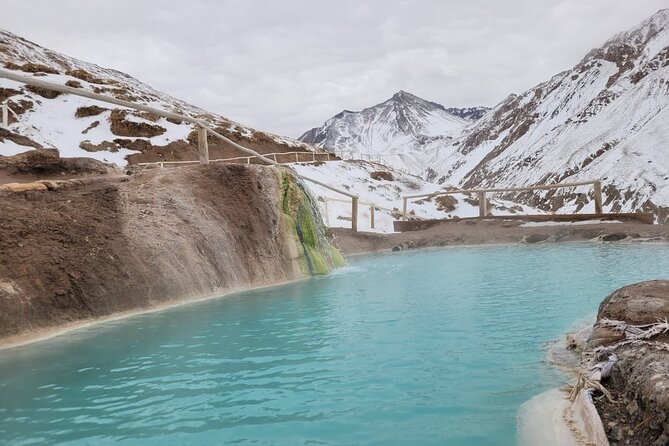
(206, 128)
(483, 203)
(377, 159)
(248, 159)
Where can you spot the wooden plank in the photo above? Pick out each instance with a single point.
(354, 214)
(203, 146)
(598, 197)
(504, 189)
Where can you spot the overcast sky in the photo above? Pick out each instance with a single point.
(288, 65)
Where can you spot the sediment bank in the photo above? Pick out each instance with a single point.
(89, 251)
(489, 232)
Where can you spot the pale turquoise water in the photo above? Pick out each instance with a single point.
(419, 348)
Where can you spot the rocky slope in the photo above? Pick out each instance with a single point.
(606, 118)
(396, 130)
(471, 114)
(79, 250)
(80, 127)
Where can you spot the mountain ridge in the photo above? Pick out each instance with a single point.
(605, 118)
(403, 123)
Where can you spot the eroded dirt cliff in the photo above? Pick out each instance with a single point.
(159, 237)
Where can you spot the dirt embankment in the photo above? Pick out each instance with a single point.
(44, 164)
(131, 243)
(639, 382)
(471, 232)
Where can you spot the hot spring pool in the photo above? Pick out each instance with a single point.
(431, 347)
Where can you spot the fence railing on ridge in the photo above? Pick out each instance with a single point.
(202, 126)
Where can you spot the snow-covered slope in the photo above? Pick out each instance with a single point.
(384, 188)
(606, 118)
(396, 131)
(76, 129)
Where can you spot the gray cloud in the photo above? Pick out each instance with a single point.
(286, 66)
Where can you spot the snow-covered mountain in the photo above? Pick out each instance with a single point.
(396, 130)
(606, 118)
(80, 127)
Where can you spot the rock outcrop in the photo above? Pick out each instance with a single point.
(124, 244)
(639, 382)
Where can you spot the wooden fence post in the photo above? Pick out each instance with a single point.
(371, 215)
(354, 214)
(598, 197)
(5, 115)
(203, 146)
(483, 205)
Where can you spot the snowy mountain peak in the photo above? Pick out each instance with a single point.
(406, 97)
(392, 129)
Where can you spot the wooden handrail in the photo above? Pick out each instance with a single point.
(483, 204)
(204, 154)
(313, 154)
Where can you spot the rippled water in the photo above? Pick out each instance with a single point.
(433, 347)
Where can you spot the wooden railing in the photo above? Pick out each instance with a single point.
(483, 202)
(247, 159)
(202, 126)
(378, 159)
(372, 210)
(6, 110)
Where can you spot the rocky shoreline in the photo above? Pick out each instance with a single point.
(627, 351)
(496, 232)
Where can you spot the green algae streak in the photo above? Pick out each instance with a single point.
(316, 255)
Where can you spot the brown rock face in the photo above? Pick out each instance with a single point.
(85, 76)
(91, 110)
(158, 237)
(641, 303)
(7, 92)
(639, 382)
(104, 145)
(44, 92)
(42, 163)
(18, 139)
(31, 68)
(73, 84)
(120, 126)
(381, 175)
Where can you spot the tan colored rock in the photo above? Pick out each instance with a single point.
(22, 187)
